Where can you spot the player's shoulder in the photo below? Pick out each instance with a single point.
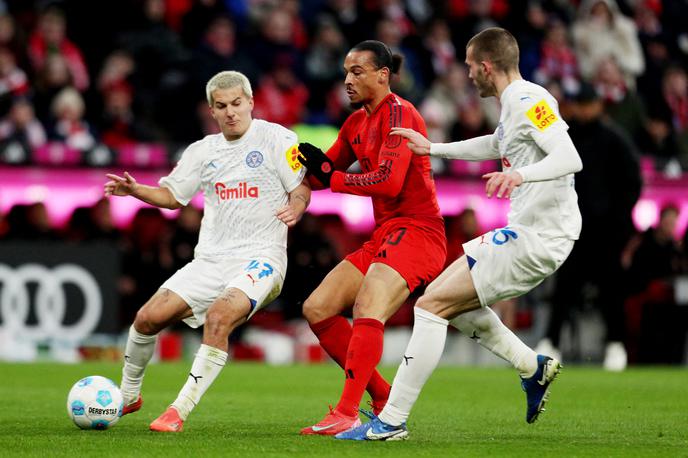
(275, 131)
(204, 145)
(526, 94)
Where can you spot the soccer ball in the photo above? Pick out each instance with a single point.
(95, 402)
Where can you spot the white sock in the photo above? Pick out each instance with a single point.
(137, 354)
(207, 365)
(422, 354)
(485, 327)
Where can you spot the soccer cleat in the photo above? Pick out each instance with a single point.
(333, 423)
(168, 422)
(374, 430)
(133, 407)
(537, 386)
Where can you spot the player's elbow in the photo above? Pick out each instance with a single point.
(577, 165)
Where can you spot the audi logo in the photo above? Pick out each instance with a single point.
(50, 302)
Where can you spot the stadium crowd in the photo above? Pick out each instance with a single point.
(99, 78)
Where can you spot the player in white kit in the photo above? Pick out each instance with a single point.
(538, 162)
(253, 191)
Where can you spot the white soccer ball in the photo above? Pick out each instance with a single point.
(95, 402)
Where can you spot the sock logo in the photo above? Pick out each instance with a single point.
(349, 374)
(475, 336)
(407, 358)
(126, 358)
(195, 377)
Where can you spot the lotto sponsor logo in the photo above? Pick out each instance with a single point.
(541, 115)
(242, 191)
(292, 155)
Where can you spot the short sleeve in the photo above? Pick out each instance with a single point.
(289, 169)
(540, 117)
(185, 179)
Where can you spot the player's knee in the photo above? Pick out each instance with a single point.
(314, 310)
(148, 322)
(429, 303)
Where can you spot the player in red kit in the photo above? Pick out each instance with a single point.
(407, 248)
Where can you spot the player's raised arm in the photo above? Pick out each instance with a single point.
(127, 186)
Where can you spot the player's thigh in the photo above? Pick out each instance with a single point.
(163, 309)
(336, 293)
(228, 310)
(381, 294)
(452, 292)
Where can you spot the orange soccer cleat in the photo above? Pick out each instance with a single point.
(168, 422)
(133, 407)
(333, 423)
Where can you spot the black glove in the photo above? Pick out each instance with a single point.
(316, 162)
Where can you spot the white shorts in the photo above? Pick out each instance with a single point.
(510, 261)
(202, 280)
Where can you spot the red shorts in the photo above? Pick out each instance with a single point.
(415, 248)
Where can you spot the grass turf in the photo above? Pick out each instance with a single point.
(256, 410)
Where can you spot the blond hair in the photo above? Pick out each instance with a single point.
(227, 80)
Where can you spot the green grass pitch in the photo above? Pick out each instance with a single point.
(257, 410)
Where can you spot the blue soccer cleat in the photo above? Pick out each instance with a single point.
(537, 386)
(374, 430)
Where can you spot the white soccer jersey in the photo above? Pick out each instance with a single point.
(244, 182)
(550, 207)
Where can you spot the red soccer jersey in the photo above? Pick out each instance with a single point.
(399, 182)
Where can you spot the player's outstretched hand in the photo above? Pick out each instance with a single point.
(502, 183)
(119, 186)
(316, 162)
(416, 142)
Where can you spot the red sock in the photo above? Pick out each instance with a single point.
(365, 351)
(334, 334)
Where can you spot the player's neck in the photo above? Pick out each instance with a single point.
(503, 80)
(375, 101)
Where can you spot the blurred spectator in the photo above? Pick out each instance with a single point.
(653, 259)
(21, 127)
(280, 97)
(217, 51)
(29, 222)
(460, 229)
(119, 125)
(50, 38)
(439, 51)
(608, 187)
(601, 32)
(448, 95)
(675, 92)
(655, 43)
(197, 20)
(622, 104)
(347, 16)
(311, 255)
(185, 235)
(658, 139)
(69, 125)
(118, 68)
(13, 39)
(275, 39)
(557, 58)
(147, 260)
(408, 83)
(52, 78)
(13, 80)
(324, 67)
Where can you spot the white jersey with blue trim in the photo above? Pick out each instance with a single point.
(529, 112)
(244, 182)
